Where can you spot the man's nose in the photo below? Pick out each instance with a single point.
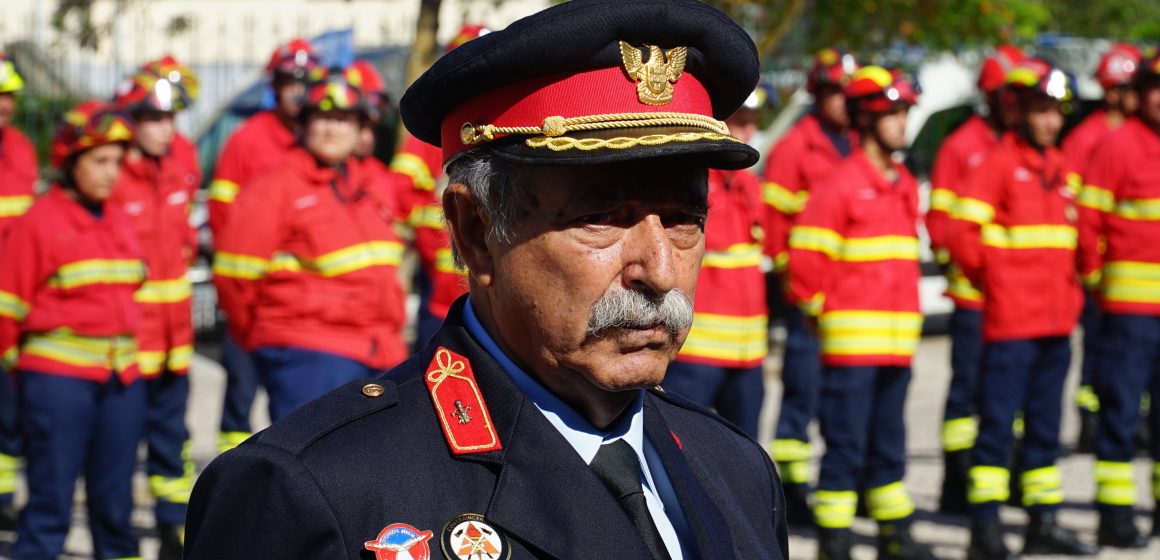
(648, 257)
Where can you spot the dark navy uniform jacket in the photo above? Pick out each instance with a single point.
(330, 476)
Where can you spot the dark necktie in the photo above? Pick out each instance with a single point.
(617, 467)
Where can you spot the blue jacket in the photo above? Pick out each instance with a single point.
(331, 476)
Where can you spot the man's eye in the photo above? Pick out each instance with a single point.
(683, 219)
(598, 218)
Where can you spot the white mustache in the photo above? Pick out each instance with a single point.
(633, 309)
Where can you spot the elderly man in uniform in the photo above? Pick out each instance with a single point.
(577, 144)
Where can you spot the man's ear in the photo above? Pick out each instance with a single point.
(467, 225)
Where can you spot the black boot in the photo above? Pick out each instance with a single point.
(1089, 431)
(954, 487)
(1046, 536)
(7, 516)
(896, 542)
(172, 542)
(1118, 530)
(797, 505)
(1156, 521)
(987, 541)
(834, 544)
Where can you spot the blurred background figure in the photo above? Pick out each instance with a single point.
(720, 365)
(258, 146)
(807, 154)
(158, 182)
(309, 278)
(958, 156)
(68, 323)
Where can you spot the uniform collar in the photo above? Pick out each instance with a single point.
(1046, 161)
(75, 212)
(875, 176)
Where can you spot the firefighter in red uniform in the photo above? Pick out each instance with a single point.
(720, 364)
(1014, 237)
(853, 270)
(259, 145)
(962, 152)
(394, 187)
(18, 176)
(807, 154)
(309, 279)
(438, 281)
(159, 178)
(68, 323)
(1114, 74)
(1119, 227)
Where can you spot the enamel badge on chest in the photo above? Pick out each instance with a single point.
(459, 404)
(469, 537)
(399, 541)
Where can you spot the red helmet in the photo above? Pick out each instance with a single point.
(1035, 76)
(363, 75)
(334, 90)
(831, 67)
(874, 89)
(88, 125)
(295, 60)
(1118, 65)
(467, 33)
(993, 73)
(161, 85)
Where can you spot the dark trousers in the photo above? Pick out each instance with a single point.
(73, 427)
(966, 355)
(425, 323)
(735, 393)
(1129, 365)
(1090, 320)
(294, 376)
(9, 436)
(241, 389)
(169, 466)
(861, 417)
(1025, 375)
(801, 374)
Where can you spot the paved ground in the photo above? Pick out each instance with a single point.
(924, 411)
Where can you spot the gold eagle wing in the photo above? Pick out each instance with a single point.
(675, 62)
(633, 60)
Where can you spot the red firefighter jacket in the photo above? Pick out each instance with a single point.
(730, 327)
(1013, 233)
(156, 193)
(1080, 145)
(18, 175)
(1119, 212)
(958, 156)
(795, 165)
(422, 162)
(315, 263)
(854, 264)
(66, 291)
(257, 146)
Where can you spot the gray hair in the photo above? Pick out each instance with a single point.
(491, 181)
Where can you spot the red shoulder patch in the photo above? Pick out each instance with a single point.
(459, 404)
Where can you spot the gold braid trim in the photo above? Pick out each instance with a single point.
(565, 143)
(555, 126)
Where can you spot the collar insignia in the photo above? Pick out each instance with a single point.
(399, 541)
(459, 404)
(655, 78)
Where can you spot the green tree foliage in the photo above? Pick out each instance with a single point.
(1131, 20)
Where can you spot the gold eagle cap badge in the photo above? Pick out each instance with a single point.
(655, 78)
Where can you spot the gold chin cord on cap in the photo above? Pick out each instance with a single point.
(553, 128)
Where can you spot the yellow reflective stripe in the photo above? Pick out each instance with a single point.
(782, 199)
(15, 205)
(813, 306)
(959, 433)
(97, 271)
(810, 238)
(223, 190)
(1029, 237)
(1115, 483)
(1086, 399)
(959, 286)
(741, 255)
(230, 440)
(973, 210)
(358, 257)
(725, 337)
(1093, 279)
(9, 465)
(430, 217)
(1074, 183)
(942, 200)
(989, 484)
(172, 490)
(414, 167)
(889, 503)
(176, 359)
(1156, 481)
(117, 353)
(794, 472)
(862, 333)
(445, 262)
(1042, 486)
(1131, 282)
(1139, 209)
(835, 509)
(10, 356)
(243, 267)
(13, 306)
(885, 247)
(790, 450)
(164, 291)
(1097, 198)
